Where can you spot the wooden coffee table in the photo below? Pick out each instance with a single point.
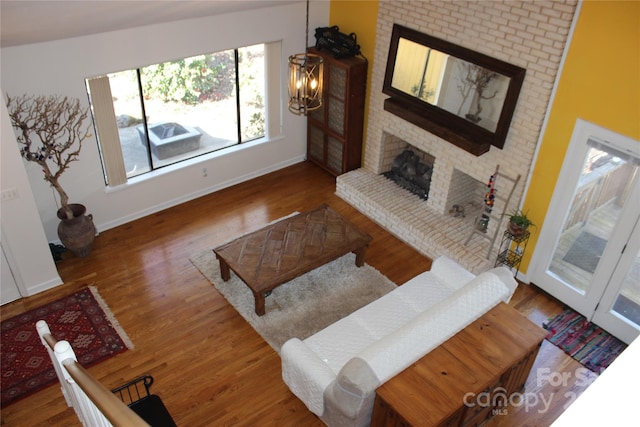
(284, 250)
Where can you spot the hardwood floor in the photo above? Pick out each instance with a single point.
(210, 367)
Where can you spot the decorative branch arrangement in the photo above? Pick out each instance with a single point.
(475, 78)
(51, 132)
(481, 78)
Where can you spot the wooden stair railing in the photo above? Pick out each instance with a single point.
(94, 404)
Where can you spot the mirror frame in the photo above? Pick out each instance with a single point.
(455, 129)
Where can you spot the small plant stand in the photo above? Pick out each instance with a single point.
(512, 250)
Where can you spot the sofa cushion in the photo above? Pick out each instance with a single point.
(340, 341)
(393, 353)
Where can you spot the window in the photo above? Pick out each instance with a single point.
(162, 114)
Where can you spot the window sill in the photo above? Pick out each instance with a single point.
(198, 161)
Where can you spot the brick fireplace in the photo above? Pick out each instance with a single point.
(531, 35)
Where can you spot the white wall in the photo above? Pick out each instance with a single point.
(23, 238)
(60, 67)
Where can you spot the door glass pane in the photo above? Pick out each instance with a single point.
(628, 302)
(597, 202)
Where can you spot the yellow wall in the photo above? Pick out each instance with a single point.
(359, 17)
(600, 83)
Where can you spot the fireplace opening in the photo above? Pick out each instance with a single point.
(466, 194)
(412, 170)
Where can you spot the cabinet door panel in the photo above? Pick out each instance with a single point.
(334, 155)
(336, 117)
(316, 144)
(338, 82)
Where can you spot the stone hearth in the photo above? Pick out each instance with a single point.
(408, 217)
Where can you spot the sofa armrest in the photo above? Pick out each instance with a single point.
(306, 374)
(349, 399)
(506, 276)
(450, 273)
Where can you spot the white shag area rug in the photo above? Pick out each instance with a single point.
(305, 305)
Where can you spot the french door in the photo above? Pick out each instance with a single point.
(620, 311)
(587, 255)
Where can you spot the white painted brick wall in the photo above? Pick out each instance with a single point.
(529, 34)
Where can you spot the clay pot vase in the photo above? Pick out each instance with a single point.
(78, 233)
(516, 230)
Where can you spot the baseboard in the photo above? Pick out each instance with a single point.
(191, 196)
(44, 286)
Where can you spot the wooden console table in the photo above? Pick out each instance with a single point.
(492, 356)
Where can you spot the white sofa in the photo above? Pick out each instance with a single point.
(336, 371)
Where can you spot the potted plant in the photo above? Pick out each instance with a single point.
(50, 134)
(519, 222)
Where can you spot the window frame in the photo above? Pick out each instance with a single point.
(111, 158)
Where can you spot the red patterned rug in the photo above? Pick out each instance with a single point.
(83, 319)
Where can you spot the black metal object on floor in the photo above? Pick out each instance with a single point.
(148, 406)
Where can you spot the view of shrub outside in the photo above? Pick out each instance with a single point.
(191, 107)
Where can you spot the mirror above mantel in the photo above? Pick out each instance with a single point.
(462, 96)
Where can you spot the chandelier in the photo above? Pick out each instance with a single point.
(305, 79)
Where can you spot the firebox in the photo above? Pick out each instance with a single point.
(412, 170)
(406, 165)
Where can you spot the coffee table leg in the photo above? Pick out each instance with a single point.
(259, 297)
(224, 270)
(360, 253)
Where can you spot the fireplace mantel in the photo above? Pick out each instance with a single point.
(457, 138)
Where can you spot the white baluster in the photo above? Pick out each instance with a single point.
(85, 409)
(43, 329)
